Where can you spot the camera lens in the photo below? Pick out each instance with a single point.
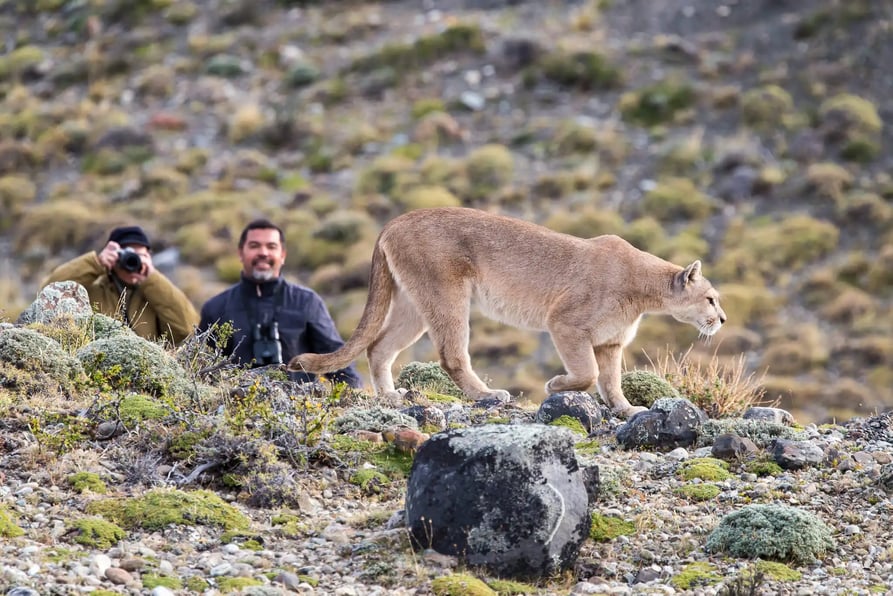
(130, 260)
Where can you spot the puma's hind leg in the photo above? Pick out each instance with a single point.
(403, 327)
(574, 347)
(449, 332)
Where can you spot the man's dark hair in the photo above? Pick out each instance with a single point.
(261, 224)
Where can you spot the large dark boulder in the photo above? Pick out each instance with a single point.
(576, 404)
(510, 498)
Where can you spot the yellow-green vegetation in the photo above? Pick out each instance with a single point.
(153, 580)
(588, 446)
(427, 105)
(489, 167)
(584, 71)
(159, 508)
(403, 58)
(570, 423)
(586, 222)
(862, 125)
(697, 492)
(387, 460)
(696, 574)
(704, 468)
(605, 528)
(289, 525)
(87, 482)
(677, 198)
(197, 584)
(96, 532)
(15, 193)
(135, 408)
(505, 587)
(8, 527)
(776, 571)
(236, 584)
(460, 584)
(768, 106)
(423, 197)
(659, 103)
(20, 60)
(750, 303)
(829, 180)
(62, 224)
(370, 481)
(762, 467)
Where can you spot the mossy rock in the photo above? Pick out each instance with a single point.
(606, 528)
(761, 432)
(642, 387)
(677, 198)
(131, 362)
(87, 482)
(506, 587)
(427, 376)
(375, 419)
(404, 58)
(767, 106)
(8, 527)
(570, 423)
(774, 532)
(136, 408)
(370, 481)
(460, 584)
(95, 532)
(153, 580)
(160, 508)
(659, 103)
(30, 351)
(704, 468)
(696, 574)
(697, 492)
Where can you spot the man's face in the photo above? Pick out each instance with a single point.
(262, 255)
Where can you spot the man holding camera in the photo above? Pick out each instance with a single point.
(273, 319)
(122, 283)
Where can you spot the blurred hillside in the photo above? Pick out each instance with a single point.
(755, 136)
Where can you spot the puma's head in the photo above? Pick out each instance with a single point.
(695, 301)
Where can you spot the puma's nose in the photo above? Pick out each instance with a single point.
(722, 318)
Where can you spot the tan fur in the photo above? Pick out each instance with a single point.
(588, 294)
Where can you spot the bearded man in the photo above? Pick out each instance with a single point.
(274, 320)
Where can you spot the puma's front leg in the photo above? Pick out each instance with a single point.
(575, 350)
(608, 358)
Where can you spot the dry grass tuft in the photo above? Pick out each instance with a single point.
(722, 388)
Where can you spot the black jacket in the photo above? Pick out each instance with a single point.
(304, 322)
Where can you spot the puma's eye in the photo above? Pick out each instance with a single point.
(711, 301)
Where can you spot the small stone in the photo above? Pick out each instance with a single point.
(132, 564)
(118, 576)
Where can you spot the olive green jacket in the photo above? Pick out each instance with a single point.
(155, 309)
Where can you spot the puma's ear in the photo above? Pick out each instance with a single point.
(690, 274)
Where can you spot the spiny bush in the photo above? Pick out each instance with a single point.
(776, 532)
(761, 432)
(427, 376)
(28, 350)
(586, 222)
(677, 198)
(767, 106)
(720, 388)
(425, 50)
(658, 103)
(489, 168)
(585, 71)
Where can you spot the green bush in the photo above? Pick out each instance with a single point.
(766, 106)
(658, 103)
(584, 71)
(775, 532)
(30, 351)
(677, 198)
(489, 168)
(427, 376)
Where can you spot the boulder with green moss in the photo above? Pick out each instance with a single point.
(642, 387)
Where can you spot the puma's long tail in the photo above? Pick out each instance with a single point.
(381, 287)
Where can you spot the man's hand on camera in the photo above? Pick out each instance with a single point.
(108, 258)
(109, 255)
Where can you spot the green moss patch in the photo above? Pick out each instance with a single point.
(696, 574)
(704, 468)
(158, 509)
(8, 527)
(642, 387)
(605, 528)
(698, 492)
(87, 481)
(460, 584)
(96, 532)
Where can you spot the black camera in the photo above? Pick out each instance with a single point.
(267, 349)
(130, 260)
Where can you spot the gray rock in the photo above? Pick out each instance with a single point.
(426, 416)
(58, 299)
(20, 591)
(776, 415)
(510, 498)
(731, 447)
(577, 404)
(670, 423)
(795, 455)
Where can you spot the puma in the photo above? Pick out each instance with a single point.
(589, 294)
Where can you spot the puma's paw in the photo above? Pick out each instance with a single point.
(630, 411)
(294, 365)
(497, 394)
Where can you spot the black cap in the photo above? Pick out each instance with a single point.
(129, 235)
